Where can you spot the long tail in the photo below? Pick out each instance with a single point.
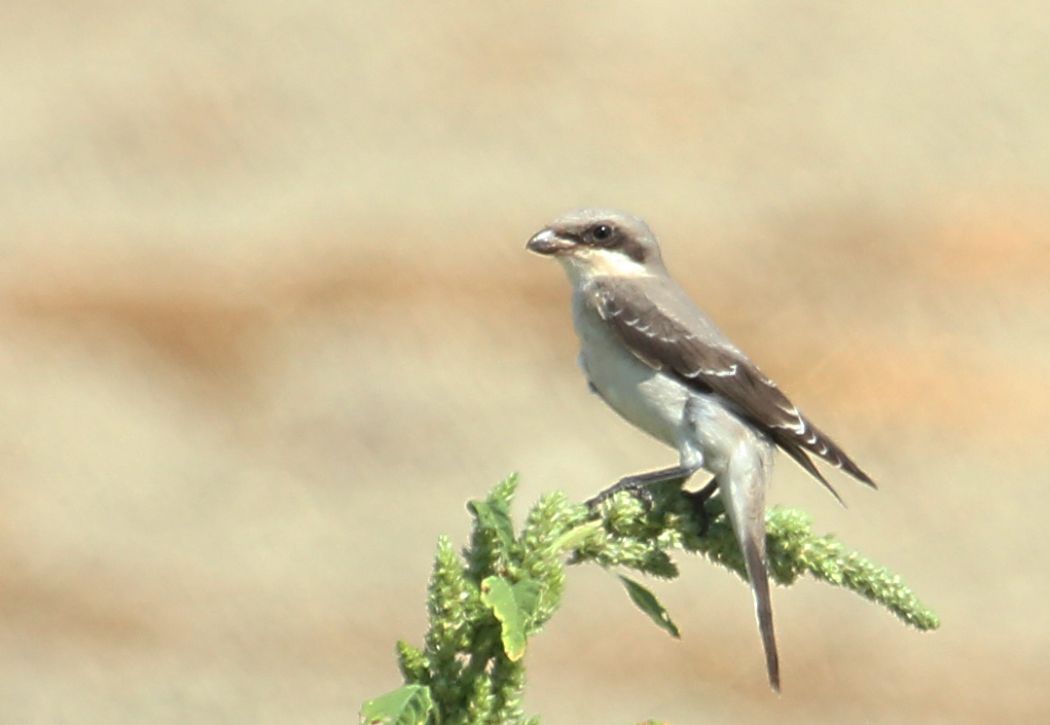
(755, 559)
(743, 490)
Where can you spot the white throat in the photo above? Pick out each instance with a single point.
(584, 264)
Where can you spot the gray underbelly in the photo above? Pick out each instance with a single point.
(696, 424)
(646, 398)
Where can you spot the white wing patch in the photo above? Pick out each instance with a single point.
(796, 426)
(717, 372)
(724, 373)
(637, 324)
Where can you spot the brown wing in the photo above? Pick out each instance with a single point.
(711, 366)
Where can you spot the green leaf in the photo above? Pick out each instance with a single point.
(572, 538)
(648, 603)
(512, 605)
(527, 597)
(408, 705)
(493, 516)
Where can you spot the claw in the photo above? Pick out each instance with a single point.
(639, 484)
(637, 487)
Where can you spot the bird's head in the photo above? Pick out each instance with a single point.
(599, 242)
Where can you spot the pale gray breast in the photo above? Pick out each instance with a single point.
(646, 398)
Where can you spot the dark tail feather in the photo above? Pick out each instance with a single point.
(807, 438)
(853, 469)
(756, 572)
(827, 449)
(743, 492)
(803, 460)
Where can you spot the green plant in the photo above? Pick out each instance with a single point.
(485, 603)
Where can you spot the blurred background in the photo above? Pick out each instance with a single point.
(267, 323)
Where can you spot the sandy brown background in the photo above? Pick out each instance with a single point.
(266, 323)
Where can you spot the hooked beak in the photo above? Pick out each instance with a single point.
(548, 243)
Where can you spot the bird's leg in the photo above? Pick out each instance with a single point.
(638, 484)
(698, 499)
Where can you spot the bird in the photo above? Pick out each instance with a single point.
(659, 362)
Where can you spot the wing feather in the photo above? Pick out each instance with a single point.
(667, 344)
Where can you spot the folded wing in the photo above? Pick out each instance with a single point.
(669, 344)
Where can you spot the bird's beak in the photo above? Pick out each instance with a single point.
(548, 243)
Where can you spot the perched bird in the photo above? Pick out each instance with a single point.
(659, 362)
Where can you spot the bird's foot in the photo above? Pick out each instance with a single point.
(698, 499)
(638, 487)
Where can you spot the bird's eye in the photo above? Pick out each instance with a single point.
(602, 232)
